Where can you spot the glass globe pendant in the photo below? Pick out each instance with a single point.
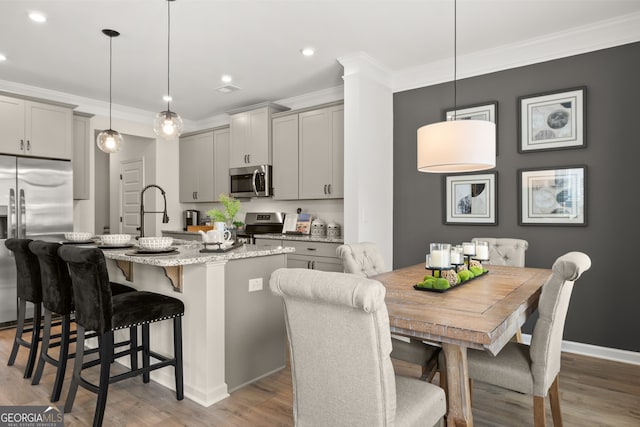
(168, 124)
(109, 140)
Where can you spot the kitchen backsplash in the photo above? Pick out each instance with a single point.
(327, 210)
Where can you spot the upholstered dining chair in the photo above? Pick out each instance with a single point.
(97, 309)
(534, 369)
(365, 260)
(29, 290)
(339, 338)
(57, 299)
(505, 251)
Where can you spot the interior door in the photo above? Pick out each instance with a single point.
(131, 184)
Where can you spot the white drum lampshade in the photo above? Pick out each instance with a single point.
(457, 146)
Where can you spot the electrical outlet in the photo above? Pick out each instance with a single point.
(255, 284)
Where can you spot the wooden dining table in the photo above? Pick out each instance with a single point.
(483, 313)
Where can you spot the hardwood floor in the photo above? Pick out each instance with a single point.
(593, 392)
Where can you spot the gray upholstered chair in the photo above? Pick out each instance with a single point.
(534, 369)
(339, 338)
(505, 251)
(365, 260)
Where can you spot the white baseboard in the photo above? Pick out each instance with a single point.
(608, 353)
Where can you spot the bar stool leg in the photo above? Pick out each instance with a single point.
(145, 351)
(22, 310)
(62, 359)
(106, 351)
(177, 354)
(35, 340)
(133, 339)
(77, 369)
(44, 350)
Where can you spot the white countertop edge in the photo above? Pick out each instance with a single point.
(192, 256)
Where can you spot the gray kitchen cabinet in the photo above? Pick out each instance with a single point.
(80, 161)
(321, 153)
(204, 165)
(285, 157)
(221, 146)
(30, 128)
(314, 256)
(251, 135)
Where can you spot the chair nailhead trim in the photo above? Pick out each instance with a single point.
(148, 321)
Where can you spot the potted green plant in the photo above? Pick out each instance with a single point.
(227, 215)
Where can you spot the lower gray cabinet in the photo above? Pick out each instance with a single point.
(314, 256)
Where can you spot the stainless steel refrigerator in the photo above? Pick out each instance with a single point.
(36, 202)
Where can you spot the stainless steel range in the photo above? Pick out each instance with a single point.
(256, 223)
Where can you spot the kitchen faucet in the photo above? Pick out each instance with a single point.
(165, 217)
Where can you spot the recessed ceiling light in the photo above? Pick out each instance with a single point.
(226, 78)
(37, 17)
(308, 51)
(167, 98)
(2, 57)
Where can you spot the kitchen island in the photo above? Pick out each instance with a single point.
(233, 327)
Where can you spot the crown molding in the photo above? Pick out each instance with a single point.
(600, 35)
(361, 63)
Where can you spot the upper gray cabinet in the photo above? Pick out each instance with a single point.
(251, 135)
(80, 160)
(308, 154)
(30, 128)
(204, 166)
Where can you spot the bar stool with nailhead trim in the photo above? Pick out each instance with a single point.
(57, 298)
(97, 310)
(28, 289)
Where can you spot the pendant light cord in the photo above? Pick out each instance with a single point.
(168, 52)
(110, 75)
(455, 56)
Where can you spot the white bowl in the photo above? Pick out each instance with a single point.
(78, 236)
(115, 239)
(155, 242)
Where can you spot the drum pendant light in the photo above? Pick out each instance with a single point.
(109, 140)
(456, 145)
(168, 124)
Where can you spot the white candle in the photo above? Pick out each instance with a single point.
(456, 257)
(482, 252)
(440, 259)
(469, 248)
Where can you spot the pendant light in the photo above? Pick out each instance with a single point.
(456, 145)
(109, 140)
(168, 124)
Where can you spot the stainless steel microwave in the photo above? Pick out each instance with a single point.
(251, 181)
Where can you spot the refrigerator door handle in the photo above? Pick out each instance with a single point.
(23, 216)
(11, 218)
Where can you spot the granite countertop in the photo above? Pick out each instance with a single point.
(303, 238)
(190, 254)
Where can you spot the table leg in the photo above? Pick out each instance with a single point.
(458, 393)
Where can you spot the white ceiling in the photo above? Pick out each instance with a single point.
(257, 42)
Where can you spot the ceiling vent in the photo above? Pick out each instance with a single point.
(227, 88)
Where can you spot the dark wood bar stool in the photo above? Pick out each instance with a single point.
(29, 290)
(97, 310)
(57, 299)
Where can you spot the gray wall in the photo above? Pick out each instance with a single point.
(605, 306)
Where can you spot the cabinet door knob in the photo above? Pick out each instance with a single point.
(248, 158)
(311, 249)
(329, 188)
(196, 195)
(22, 145)
(28, 145)
(325, 189)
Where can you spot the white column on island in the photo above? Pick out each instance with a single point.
(368, 153)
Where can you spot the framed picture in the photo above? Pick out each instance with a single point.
(552, 121)
(553, 196)
(470, 199)
(486, 111)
